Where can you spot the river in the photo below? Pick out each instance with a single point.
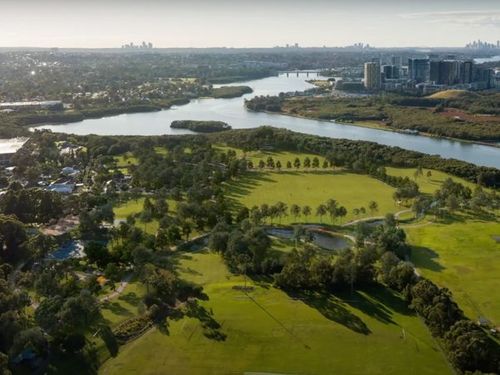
(233, 112)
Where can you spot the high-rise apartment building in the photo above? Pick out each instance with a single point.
(419, 70)
(372, 76)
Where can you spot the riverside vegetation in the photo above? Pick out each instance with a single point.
(465, 115)
(191, 281)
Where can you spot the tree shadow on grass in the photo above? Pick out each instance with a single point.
(369, 306)
(116, 309)
(423, 257)
(390, 299)
(131, 298)
(334, 309)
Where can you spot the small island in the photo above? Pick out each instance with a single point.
(228, 92)
(200, 126)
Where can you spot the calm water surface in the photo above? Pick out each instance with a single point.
(233, 112)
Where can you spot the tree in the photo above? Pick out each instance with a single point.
(33, 339)
(341, 212)
(429, 174)
(306, 211)
(321, 211)
(325, 164)
(186, 229)
(373, 207)
(452, 203)
(315, 162)
(470, 348)
(148, 205)
(160, 207)
(331, 207)
(418, 172)
(278, 165)
(295, 211)
(146, 217)
(296, 163)
(281, 210)
(270, 163)
(288, 164)
(262, 165)
(97, 253)
(307, 162)
(12, 237)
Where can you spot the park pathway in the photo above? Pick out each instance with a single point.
(123, 284)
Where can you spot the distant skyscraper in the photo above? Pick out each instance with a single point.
(372, 76)
(390, 71)
(419, 70)
(397, 60)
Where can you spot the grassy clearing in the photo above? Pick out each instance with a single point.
(126, 160)
(447, 94)
(464, 257)
(312, 188)
(134, 206)
(125, 306)
(282, 156)
(272, 332)
(430, 184)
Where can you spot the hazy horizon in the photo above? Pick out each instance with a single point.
(223, 23)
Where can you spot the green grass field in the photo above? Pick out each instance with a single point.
(274, 333)
(135, 206)
(282, 156)
(464, 257)
(313, 188)
(125, 306)
(430, 184)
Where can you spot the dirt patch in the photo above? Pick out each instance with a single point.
(460, 115)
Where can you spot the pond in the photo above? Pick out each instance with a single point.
(70, 250)
(323, 240)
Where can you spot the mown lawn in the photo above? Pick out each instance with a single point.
(313, 188)
(282, 156)
(430, 184)
(125, 306)
(464, 257)
(134, 206)
(269, 331)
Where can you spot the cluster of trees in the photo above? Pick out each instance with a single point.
(31, 205)
(245, 248)
(200, 126)
(359, 156)
(306, 269)
(380, 260)
(270, 163)
(265, 103)
(330, 208)
(468, 346)
(399, 112)
(453, 196)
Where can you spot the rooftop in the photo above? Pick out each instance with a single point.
(10, 146)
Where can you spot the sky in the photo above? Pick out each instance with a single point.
(249, 23)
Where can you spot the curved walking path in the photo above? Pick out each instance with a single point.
(123, 284)
(374, 218)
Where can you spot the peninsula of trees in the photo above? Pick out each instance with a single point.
(200, 126)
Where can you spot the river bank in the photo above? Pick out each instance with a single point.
(233, 112)
(375, 125)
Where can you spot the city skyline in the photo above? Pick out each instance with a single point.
(220, 23)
